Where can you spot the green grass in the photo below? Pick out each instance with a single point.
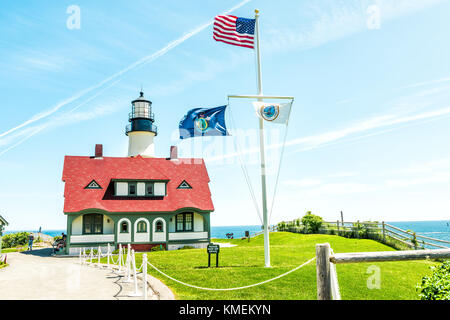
(243, 265)
(16, 249)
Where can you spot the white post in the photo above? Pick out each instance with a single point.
(136, 292)
(120, 257)
(80, 257)
(261, 146)
(108, 253)
(128, 265)
(91, 254)
(84, 255)
(99, 255)
(144, 276)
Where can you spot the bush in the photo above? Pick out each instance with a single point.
(188, 247)
(94, 252)
(157, 248)
(312, 222)
(15, 239)
(124, 251)
(436, 286)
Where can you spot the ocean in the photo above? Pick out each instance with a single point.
(433, 229)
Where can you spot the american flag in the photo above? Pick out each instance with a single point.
(235, 31)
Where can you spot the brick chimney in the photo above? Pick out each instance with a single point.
(173, 152)
(98, 151)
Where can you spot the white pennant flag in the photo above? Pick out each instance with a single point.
(273, 112)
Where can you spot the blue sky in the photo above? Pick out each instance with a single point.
(368, 133)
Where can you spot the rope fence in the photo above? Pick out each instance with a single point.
(128, 270)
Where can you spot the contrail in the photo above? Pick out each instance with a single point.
(136, 64)
(325, 139)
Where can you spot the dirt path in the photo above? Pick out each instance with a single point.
(37, 275)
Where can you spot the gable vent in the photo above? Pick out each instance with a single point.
(93, 185)
(184, 185)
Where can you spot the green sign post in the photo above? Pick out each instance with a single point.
(213, 249)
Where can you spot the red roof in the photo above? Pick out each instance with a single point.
(78, 172)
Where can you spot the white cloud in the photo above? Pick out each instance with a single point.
(149, 58)
(437, 177)
(303, 183)
(334, 20)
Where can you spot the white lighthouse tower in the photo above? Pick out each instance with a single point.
(141, 131)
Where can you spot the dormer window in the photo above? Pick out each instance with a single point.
(149, 188)
(131, 188)
(140, 188)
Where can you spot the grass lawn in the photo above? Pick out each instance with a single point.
(16, 249)
(243, 265)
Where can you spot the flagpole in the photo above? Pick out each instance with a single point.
(261, 146)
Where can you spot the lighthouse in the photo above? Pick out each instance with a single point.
(141, 131)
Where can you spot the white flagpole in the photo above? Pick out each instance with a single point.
(261, 146)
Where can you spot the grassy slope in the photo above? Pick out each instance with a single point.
(242, 265)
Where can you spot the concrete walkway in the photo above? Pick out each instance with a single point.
(37, 275)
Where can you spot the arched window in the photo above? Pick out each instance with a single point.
(159, 227)
(142, 226)
(124, 227)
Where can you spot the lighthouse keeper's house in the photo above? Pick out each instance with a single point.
(140, 199)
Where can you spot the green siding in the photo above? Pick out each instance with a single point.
(133, 217)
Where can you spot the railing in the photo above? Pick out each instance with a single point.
(141, 114)
(380, 231)
(151, 128)
(273, 228)
(327, 283)
(91, 238)
(188, 235)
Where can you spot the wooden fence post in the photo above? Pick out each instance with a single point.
(323, 271)
(337, 223)
(384, 232)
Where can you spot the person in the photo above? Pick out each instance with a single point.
(30, 242)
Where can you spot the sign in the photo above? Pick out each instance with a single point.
(213, 249)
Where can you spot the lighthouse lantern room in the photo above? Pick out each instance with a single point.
(141, 130)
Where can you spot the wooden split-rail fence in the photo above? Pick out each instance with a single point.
(380, 231)
(327, 285)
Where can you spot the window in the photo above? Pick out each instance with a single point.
(159, 226)
(93, 223)
(124, 227)
(131, 188)
(149, 188)
(185, 222)
(142, 226)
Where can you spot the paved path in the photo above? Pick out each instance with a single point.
(39, 276)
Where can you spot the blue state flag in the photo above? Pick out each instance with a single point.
(203, 122)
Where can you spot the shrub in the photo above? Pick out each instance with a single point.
(94, 252)
(312, 222)
(436, 286)
(188, 247)
(157, 248)
(15, 239)
(124, 251)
